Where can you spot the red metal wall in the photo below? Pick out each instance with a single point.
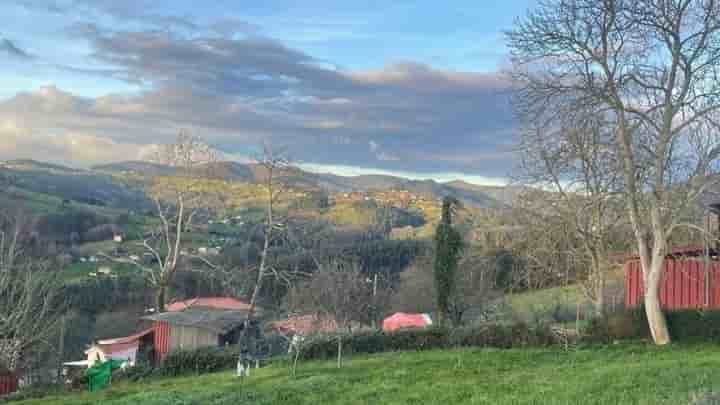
(8, 384)
(162, 339)
(685, 284)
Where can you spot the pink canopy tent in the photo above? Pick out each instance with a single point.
(402, 320)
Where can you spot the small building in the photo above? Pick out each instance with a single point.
(127, 349)
(199, 322)
(691, 280)
(304, 325)
(401, 320)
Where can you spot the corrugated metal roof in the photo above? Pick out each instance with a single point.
(216, 320)
(208, 302)
(126, 339)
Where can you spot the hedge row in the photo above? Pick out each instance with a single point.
(492, 335)
(684, 325)
(199, 361)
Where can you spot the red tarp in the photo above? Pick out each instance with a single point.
(402, 320)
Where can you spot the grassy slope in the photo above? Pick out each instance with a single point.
(623, 374)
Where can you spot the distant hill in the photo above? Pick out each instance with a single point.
(86, 186)
(139, 167)
(503, 194)
(29, 164)
(475, 195)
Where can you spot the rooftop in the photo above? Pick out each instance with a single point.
(216, 320)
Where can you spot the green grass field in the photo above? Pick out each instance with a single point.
(620, 374)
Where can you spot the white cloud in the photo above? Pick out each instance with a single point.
(65, 148)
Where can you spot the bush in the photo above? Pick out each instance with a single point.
(490, 335)
(684, 325)
(35, 391)
(138, 372)
(199, 361)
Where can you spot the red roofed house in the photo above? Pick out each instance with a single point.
(123, 348)
(199, 322)
(304, 325)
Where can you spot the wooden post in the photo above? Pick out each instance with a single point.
(577, 317)
(61, 350)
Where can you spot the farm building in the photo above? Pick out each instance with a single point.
(199, 322)
(691, 274)
(691, 279)
(127, 348)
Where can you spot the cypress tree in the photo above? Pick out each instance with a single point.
(448, 247)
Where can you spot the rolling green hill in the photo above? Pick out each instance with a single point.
(622, 374)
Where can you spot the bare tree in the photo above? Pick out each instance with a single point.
(474, 284)
(178, 199)
(573, 158)
(647, 69)
(336, 291)
(30, 302)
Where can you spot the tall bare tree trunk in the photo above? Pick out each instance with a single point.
(653, 311)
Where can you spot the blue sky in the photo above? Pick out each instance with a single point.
(404, 86)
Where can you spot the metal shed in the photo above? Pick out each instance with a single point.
(687, 282)
(195, 327)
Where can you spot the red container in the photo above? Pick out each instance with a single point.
(8, 383)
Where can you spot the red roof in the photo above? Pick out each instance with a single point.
(126, 339)
(305, 325)
(208, 302)
(402, 320)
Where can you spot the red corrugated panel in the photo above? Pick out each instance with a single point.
(683, 285)
(8, 384)
(715, 286)
(162, 338)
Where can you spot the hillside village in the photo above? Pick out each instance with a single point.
(344, 203)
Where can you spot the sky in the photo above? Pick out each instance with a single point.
(414, 88)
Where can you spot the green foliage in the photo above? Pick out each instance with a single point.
(101, 294)
(594, 375)
(489, 335)
(199, 361)
(448, 247)
(684, 325)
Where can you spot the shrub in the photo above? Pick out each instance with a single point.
(489, 335)
(199, 361)
(138, 372)
(684, 325)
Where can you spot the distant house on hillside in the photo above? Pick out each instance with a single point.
(304, 325)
